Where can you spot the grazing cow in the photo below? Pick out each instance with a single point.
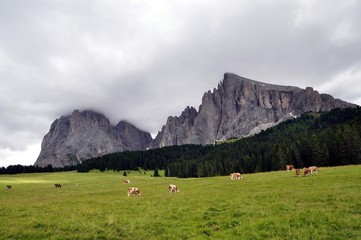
(306, 172)
(314, 169)
(298, 172)
(57, 185)
(173, 188)
(126, 181)
(290, 167)
(9, 187)
(135, 191)
(236, 176)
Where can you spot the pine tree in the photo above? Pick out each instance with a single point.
(156, 173)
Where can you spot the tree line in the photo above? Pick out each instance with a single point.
(14, 169)
(158, 158)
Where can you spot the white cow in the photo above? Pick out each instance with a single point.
(135, 191)
(290, 167)
(173, 188)
(314, 169)
(236, 176)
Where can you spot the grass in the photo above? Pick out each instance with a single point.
(274, 205)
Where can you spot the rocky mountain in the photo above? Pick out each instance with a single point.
(240, 107)
(87, 134)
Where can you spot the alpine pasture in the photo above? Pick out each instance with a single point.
(95, 205)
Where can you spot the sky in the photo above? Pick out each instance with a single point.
(142, 61)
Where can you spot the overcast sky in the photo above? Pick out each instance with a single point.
(143, 61)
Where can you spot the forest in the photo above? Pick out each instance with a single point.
(323, 139)
(14, 169)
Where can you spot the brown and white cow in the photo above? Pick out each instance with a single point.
(9, 187)
(235, 176)
(306, 172)
(290, 167)
(126, 181)
(173, 188)
(135, 191)
(314, 169)
(298, 172)
(57, 185)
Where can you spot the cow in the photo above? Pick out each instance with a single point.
(9, 187)
(314, 169)
(298, 172)
(235, 176)
(173, 188)
(306, 172)
(135, 191)
(126, 181)
(290, 167)
(57, 185)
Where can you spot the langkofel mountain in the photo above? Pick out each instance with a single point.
(87, 134)
(238, 107)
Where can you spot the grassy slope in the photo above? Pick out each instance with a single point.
(94, 205)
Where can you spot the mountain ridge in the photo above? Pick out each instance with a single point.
(241, 106)
(238, 107)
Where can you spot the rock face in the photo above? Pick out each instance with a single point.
(240, 107)
(132, 137)
(177, 129)
(87, 134)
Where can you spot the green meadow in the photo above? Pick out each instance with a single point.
(94, 205)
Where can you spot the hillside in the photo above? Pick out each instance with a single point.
(324, 139)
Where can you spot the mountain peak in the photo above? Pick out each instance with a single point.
(231, 78)
(85, 134)
(241, 106)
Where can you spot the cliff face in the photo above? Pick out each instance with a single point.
(132, 137)
(240, 107)
(177, 129)
(87, 134)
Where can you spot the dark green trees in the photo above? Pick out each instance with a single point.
(156, 173)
